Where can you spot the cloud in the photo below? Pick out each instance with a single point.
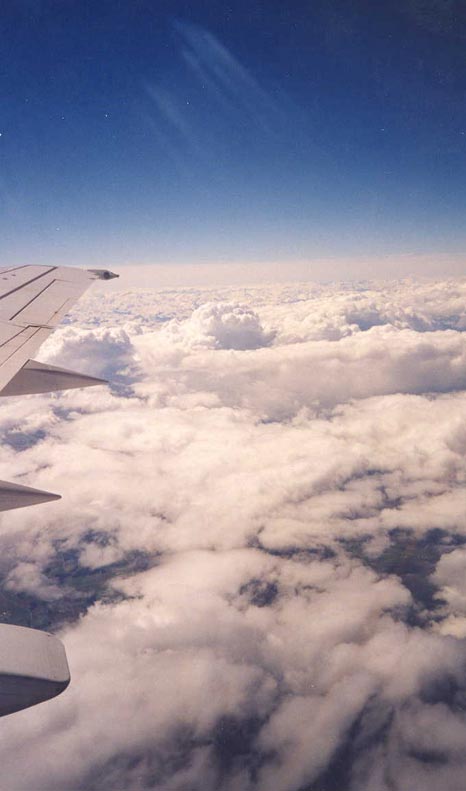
(220, 325)
(257, 564)
(106, 352)
(218, 92)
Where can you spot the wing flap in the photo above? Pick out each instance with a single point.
(49, 305)
(20, 286)
(36, 294)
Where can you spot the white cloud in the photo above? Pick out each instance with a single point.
(254, 525)
(221, 325)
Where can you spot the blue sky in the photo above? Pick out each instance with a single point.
(172, 132)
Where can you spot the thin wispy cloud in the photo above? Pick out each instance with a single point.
(214, 90)
(231, 82)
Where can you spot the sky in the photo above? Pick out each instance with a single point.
(258, 563)
(177, 133)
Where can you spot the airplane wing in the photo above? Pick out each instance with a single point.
(33, 300)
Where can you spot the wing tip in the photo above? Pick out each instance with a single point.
(102, 274)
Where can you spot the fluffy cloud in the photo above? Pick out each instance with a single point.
(220, 325)
(257, 564)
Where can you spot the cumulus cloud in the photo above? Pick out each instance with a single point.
(257, 564)
(221, 325)
(105, 352)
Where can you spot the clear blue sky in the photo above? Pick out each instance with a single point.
(141, 131)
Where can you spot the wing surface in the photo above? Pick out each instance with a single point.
(33, 300)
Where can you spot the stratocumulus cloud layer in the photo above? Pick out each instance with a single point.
(258, 563)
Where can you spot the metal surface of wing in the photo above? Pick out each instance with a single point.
(33, 299)
(15, 495)
(33, 668)
(35, 377)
